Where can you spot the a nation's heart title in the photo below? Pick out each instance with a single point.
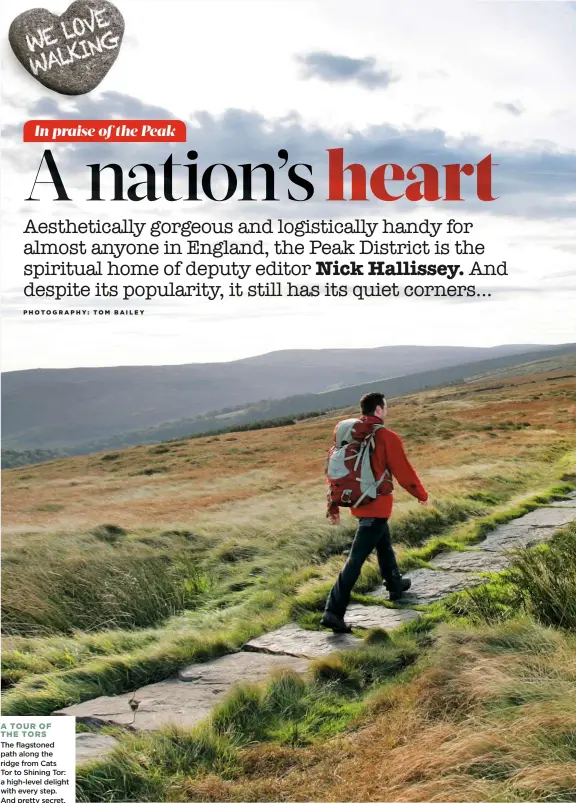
(174, 181)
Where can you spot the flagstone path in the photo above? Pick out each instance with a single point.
(193, 694)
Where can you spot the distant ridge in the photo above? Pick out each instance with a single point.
(311, 402)
(63, 408)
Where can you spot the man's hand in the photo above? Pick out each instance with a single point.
(333, 514)
(422, 501)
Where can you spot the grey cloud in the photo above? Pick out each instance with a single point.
(512, 108)
(108, 105)
(341, 69)
(530, 183)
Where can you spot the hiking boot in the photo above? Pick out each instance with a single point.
(335, 623)
(396, 586)
(398, 592)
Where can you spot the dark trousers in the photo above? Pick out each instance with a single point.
(371, 534)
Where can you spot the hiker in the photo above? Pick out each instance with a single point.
(366, 487)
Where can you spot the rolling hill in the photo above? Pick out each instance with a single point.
(86, 409)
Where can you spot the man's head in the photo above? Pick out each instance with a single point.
(374, 404)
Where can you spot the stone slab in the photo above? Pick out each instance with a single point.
(240, 666)
(369, 616)
(294, 640)
(430, 586)
(545, 517)
(472, 561)
(509, 537)
(564, 503)
(93, 747)
(183, 703)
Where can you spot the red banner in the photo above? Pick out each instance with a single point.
(104, 131)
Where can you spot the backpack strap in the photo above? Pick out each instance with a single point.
(365, 455)
(368, 444)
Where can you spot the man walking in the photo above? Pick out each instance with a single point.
(373, 532)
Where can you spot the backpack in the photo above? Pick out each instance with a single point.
(349, 476)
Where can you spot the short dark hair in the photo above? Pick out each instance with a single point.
(370, 401)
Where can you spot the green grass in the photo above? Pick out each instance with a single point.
(521, 667)
(46, 674)
(425, 523)
(339, 691)
(497, 601)
(288, 710)
(142, 766)
(115, 673)
(541, 582)
(87, 593)
(545, 580)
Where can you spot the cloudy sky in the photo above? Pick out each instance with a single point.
(407, 82)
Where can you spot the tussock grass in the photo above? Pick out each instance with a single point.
(293, 710)
(541, 582)
(286, 585)
(374, 662)
(425, 523)
(232, 552)
(494, 602)
(139, 768)
(289, 710)
(545, 580)
(109, 533)
(488, 714)
(26, 657)
(83, 593)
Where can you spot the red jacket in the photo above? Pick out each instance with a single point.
(389, 453)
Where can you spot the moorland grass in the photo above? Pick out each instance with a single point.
(540, 581)
(123, 590)
(288, 710)
(480, 709)
(545, 578)
(74, 674)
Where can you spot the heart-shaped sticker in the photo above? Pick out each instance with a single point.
(70, 54)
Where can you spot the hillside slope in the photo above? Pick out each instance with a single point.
(50, 409)
(449, 432)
